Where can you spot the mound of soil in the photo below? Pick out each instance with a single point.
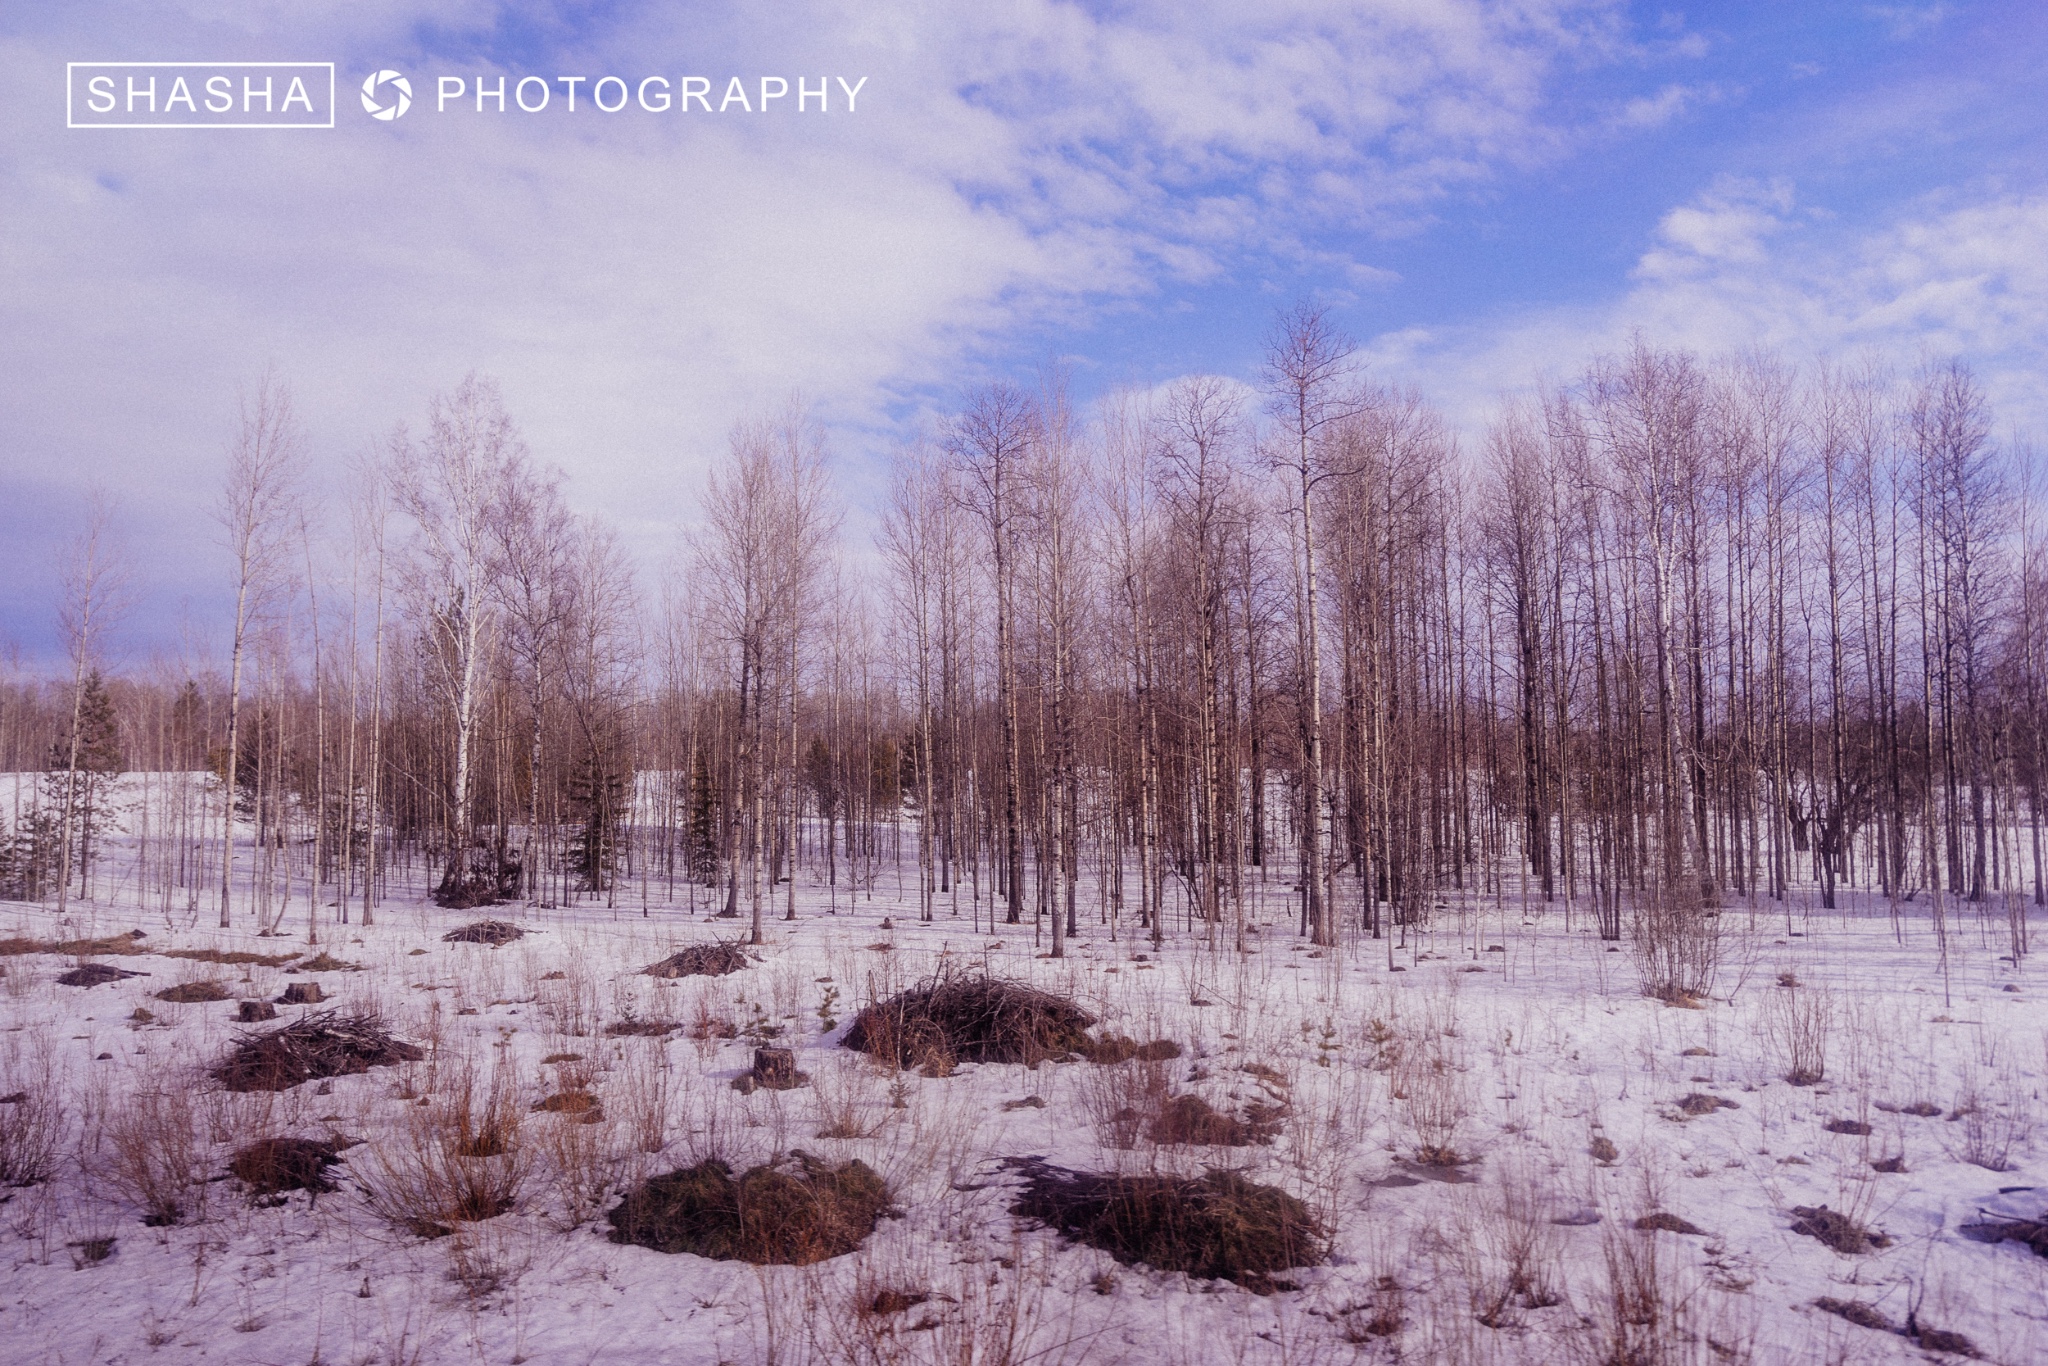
(492, 932)
(950, 1019)
(273, 1165)
(96, 974)
(1220, 1226)
(193, 993)
(790, 1213)
(701, 960)
(325, 1044)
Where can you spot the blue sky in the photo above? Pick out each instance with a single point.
(1484, 192)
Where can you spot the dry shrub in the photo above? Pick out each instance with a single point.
(194, 993)
(1218, 1226)
(1799, 1021)
(846, 1104)
(271, 1166)
(788, 1213)
(952, 1018)
(1990, 1122)
(155, 1156)
(1695, 1104)
(1677, 946)
(1120, 1101)
(1524, 1244)
(582, 1156)
(492, 932)
(702, 960)
(320, 1045)
(31, 1123)
(1438, 1099)
(458, 1161)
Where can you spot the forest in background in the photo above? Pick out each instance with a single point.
(1674, 634)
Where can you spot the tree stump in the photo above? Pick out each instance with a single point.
(775, 1068)
(301, 994)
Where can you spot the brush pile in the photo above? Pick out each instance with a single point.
(325, 1044)
(951, 1019)
(702, 960)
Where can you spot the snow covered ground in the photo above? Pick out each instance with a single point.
(1525, 1048)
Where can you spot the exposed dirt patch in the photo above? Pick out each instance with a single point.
(327, 962)
(326, 1044)
(1661, 1222)
(1854, 1127)
(1699, 1103)
(701, 960)
(951, 1019)
(790, 1213)
(1221, 1225)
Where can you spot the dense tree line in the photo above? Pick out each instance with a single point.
(1671, 636)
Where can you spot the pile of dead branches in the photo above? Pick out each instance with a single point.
(324, 1044)
(954, 1018)
(702, 960)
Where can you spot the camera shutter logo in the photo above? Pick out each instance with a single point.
(373, 104)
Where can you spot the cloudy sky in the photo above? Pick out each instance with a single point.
(1484, 191)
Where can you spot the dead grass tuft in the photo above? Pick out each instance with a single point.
(1219, 1226)
(789, 1213)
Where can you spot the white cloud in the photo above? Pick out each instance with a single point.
(638, 284)
(1737, 267)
